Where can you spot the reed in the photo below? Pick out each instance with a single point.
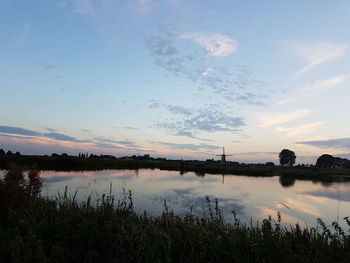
(109, 230)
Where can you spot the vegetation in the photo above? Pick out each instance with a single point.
(327, 161)
(287, 157)
(327, 169)
(36, 229)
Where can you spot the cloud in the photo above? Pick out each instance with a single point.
(40, 142)
(216, 45)
(128, 143)
(178, 110)
(123, 142)
(256, 153)
(178, 57)
(301, 129)
(61, 4)
(130, 128)
(188, 146)
(61, 137)
(50, 66)
(143, 5)
(317, 53)
(322, 85)
(313, 88)
(83, 6)
(50, 129)
(342, 143)
(274, 118)
(203, 120)
(18, 130)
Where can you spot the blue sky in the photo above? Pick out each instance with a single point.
(175, 78)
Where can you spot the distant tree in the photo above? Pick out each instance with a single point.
(64, 155)
(18, 154)
(270, 164)
(328, 161)
(54, 155)
(9, 153)
(287, 157)
(2, 152)
(325, 161)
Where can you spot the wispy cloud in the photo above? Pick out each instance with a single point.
(171, 52)
(317, 53)
(61, 137)
(56, 138)
(301, 129)
(61, 4)
(122, 142)
(322, 85)
(50, 66)
(216, 45)
(130, 128)
(342, 143)
(18, 130)
(313, 88)
(188, 146)
(275, 118)
(83, 6)
(143, 5)
(179, 110)
(190, 122)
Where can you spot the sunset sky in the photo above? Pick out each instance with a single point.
(176, 78)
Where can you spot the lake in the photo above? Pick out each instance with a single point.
(250, 197)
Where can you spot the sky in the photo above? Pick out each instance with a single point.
(176, 78)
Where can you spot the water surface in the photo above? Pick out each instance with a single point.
(249, 197)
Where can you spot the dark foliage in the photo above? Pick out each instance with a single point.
(328, 161)
(62, 230)
(287, 157)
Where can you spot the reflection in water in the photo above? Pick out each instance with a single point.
(286, 181)
(249, 197)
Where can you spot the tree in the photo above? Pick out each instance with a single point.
(2, 152)
(270, 164)
(328, 161)
(9, 153)
(325, 161)
(287, 157)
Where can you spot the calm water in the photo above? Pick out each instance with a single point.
(249, 197)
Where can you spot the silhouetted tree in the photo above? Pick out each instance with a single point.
(325, 161)
(270, 164)
(9, 153)
(287, 157)
(2, 152)
(328, 161)
(18, 154)
(54, 155)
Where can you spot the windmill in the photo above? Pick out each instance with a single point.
(223, 155)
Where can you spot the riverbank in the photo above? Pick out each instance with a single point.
(37, 229)
(72, 163)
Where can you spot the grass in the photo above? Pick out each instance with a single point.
(37, 229)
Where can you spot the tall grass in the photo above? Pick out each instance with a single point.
(64, 230)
